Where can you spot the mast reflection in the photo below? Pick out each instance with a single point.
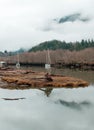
(47, 91)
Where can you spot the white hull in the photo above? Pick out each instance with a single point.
(47, 66)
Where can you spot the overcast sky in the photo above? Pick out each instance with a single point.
(26, 23)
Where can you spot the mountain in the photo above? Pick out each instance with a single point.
(55, 44)
(21, 50)
(11, 53)
(1, 54)
(51, 45)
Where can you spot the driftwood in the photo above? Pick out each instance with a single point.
(22, 79)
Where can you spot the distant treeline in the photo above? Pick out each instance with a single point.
(57, 56)
(55, 44)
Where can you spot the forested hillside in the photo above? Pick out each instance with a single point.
(60, 53)
(55, 44)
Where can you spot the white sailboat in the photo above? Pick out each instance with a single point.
(18, 63)
(48, 61)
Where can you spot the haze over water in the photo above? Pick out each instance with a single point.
(64, 109)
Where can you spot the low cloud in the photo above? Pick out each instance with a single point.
(62, 24)
(27, 23)
(73, 18)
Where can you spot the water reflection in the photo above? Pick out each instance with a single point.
(74, 105)
(47, 91)
(66, 109)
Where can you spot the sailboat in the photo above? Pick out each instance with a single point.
(18, 63)
(48, 61)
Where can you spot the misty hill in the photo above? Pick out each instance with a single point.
(21, 50)
(1, 54)
(55, 44)
(11, 53)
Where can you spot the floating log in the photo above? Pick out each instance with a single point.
(12, 98)
(27, 79)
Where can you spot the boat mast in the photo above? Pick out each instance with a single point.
(48, 62)
(18, 63)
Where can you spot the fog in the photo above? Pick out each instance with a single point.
(26, 23)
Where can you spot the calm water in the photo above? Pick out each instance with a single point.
(64, 109)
